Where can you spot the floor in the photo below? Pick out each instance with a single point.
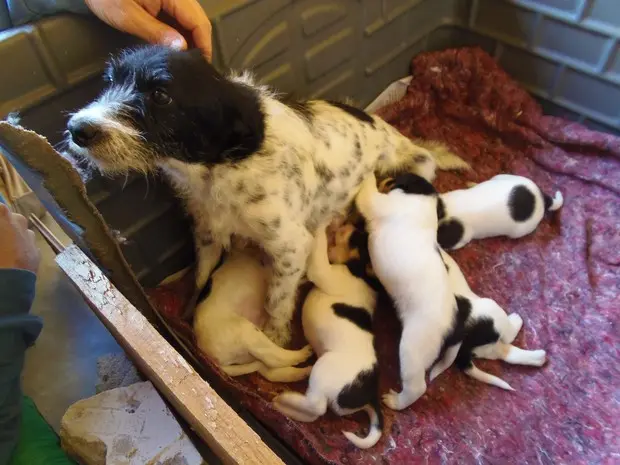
(62, 366)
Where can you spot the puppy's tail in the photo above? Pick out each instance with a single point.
(376, 427)
(444, 363)
(553, 204)
(487, 378)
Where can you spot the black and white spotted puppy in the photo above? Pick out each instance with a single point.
(402, 242)
(228, 322)
(489, 332)
(337, 320)
(244, 161)
(505, 205)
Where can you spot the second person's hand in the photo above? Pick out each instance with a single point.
(139, 18)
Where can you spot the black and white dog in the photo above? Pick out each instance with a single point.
(505, 205)
(244, 161)
(402, 242)
(337, 319)
(489, 332)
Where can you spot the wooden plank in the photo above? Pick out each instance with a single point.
(208, 414)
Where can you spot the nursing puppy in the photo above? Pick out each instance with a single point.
(337, 321)
(402, 228)
(228, 322)
(244, 161)
(489, 332)
(505, 205)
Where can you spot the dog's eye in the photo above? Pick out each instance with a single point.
(160, 97)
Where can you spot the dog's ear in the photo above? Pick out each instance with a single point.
(244, 124)
(411, 183)
(229, 118)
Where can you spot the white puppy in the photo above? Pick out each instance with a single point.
(402, 227)
(489, 332)
(337, 320)
(505, 205)
(228, 322)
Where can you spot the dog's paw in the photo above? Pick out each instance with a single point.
(539, 357)
(279, 334)
(304, 354)
(392, 400)
(516, 322)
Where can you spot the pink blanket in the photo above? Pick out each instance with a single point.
(564, 280)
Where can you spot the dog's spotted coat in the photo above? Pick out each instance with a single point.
(245, 162)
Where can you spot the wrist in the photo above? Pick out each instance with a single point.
(17, 289)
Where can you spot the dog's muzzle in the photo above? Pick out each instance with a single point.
(83, 133)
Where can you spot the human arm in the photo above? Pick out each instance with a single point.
(19, 260)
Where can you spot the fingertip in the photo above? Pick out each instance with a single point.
(202, 40)
(174, 40)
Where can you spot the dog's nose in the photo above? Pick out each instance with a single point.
(83, 133)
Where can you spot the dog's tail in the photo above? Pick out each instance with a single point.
(376, 427)
(445, 158)
(421, 157)
(487, 378)
(443, 364)
(553, 204)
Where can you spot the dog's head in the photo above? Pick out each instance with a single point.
(410, 183)
(348, 245)
(414, 196)
(161, 104)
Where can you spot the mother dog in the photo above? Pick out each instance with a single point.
(244, 161)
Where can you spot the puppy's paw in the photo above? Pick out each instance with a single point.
(279, 333)
(392, 400)
(516, 322)
(539, 357)
(304, 354)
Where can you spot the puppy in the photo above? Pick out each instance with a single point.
(244, 161)
(337, 321)
(505, 205)
(228, 322)
(348, 242)
(489, 332)
(402, 242)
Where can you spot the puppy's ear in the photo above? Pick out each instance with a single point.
(386, 185)
(411, 183)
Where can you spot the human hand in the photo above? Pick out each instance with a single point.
(139, 18)
(17, 245)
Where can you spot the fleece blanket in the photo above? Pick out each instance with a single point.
(564, 280)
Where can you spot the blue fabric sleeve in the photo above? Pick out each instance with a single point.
(27, 11)
(18, 331)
